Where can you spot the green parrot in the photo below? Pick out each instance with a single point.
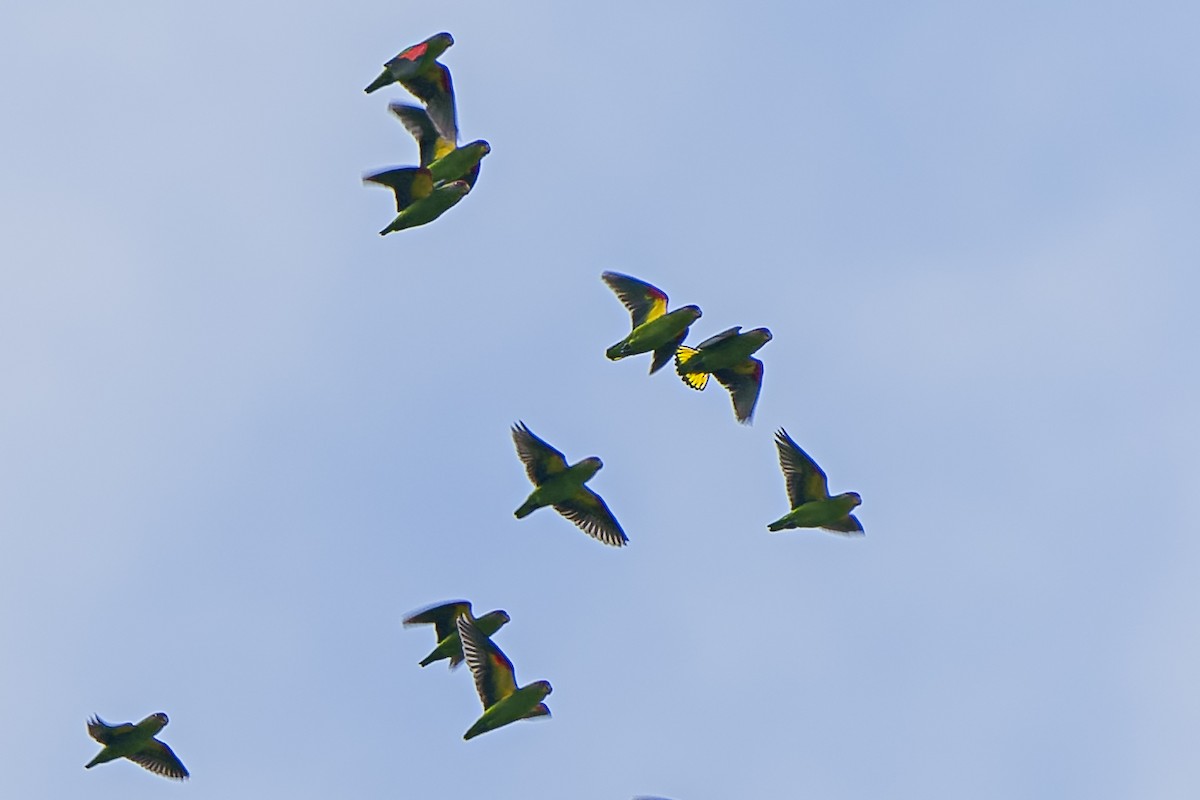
(443, 619)
(496, 683)
(653, 328)
(445, 160)
(137, 743)
(410, 184)
(418, 70)
(563, 487)
(427, 209)
(727, 357)
(808, 494)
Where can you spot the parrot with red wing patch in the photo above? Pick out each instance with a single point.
(503, 702)
(418, 70)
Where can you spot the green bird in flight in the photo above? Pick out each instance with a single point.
(444, 158)
(427, 209)
(496, 683)
(417, 69)
(444, 619)
(562, 487)
(808, 494)
(137, 743)
(727, 357)
(654, 329)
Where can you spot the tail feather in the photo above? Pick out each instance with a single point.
(383, 80)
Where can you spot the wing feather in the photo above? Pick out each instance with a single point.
(443, 617)
(644, 301)
(160, 759)
(589, 511)
(541, 460)
(805, 480)
(744, 381)
(491, 669)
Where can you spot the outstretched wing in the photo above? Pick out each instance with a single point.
(743, 381)
(104, 733)
(434, 88)
(160, 759)
(805, 480)
(850, 526)
(491, 669)
(541, 460)
(724, 335)
(589, 511)
(410, 184)
(416, 120)
(663, 354)
(442, 617)
(644, 301)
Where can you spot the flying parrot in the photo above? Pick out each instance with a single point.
(137, 743)
(496, 683)
(418, 70)
(563, 488)
(808, 494)
(445, 160)
(653, 328)
(727, 356)
(443, 618)
(427, 209)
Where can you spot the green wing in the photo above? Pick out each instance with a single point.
(410, 184)
(589, 511)
(663, 354)
(849, 525)
(644, 301)
(443, 617)
(417, 122)
(805, 480)
(435, 89)
(104, 733)
(160, 759)
(723, 336)
(743, 381)
(493, 672)
(541, 460)
(417, 58)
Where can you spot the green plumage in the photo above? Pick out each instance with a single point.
(445, 160)
(417, 69)
(808, 494)
(496, 683)
(654, 328)
(427, 209)
(409, 184)
(444, 619)
(727, 357)
(562, 487)
(136, 743)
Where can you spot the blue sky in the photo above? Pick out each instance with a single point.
(243, 435)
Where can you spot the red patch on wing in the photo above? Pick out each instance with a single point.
(414, 52)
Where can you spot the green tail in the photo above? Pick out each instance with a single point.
(383, 80)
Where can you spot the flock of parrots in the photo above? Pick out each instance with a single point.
(423, 193)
